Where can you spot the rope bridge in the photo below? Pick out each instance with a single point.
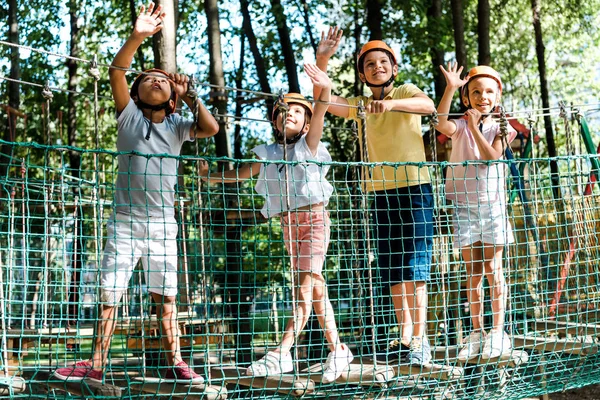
(235, 282)
(234, 293)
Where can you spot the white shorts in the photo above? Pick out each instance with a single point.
(486, 223)
(131, 237)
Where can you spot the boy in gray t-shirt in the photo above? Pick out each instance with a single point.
(143, 225)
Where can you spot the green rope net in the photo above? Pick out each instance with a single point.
(235, 286)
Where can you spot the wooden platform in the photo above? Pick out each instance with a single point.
(86, 387)
(12, 384)
(553, 344)
(151, 323)
(285, 384)
(179, 389)
(449, 354)
(563, 328)
(356, 374)
(431, 371)
(20, 341)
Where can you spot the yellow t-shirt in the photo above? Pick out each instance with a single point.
(392, 137)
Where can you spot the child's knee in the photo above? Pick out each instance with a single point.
(111, 298)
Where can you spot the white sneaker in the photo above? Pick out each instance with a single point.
(472, 345)
(496, 344)
(337, 362)
(271, 364)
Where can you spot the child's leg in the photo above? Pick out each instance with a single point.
(472, 256)
(167, 315)
(410, 305)
(324, 312)
(103, 336)
(495, 276)
(414, 308)
(302, 311)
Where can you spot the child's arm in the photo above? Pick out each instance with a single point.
(453, 83)
(231, 176)
(327, 47)
(488, 151)
(147, 24)
(322, 81)
(419, 103)
(206, 125)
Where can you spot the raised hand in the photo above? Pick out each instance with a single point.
(179, 82)
(452, 75)
(329, 44)
(149, 21)
(318, 77)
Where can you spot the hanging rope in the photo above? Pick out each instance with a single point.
(362, 116)
(436, 182)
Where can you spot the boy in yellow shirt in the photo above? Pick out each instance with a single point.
(403, 206)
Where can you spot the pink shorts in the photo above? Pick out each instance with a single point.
(306, 237)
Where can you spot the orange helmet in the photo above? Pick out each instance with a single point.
(372, 46)
(136, 85)
(294, 98)
(479, 72)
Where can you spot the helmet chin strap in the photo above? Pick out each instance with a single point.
(381, 85)
(157, 107)
(279, 135)
(154, 107)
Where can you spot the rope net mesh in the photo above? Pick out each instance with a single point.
(234, 293)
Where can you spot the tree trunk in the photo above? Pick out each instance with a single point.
(374, 19)
(458, 23)
(286, 46)
(14, 96)
(239, 103)
(434, 22)
(74, 159)
(218, 97)
(259, 62)
(140, 52)
(235, 287)
(483, 32)
(358, 85)
(308, 23)
(164, 43)
(541, 57)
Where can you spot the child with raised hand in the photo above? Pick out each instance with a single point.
(143, 224)
(481, 228)
(403, 206)
(301, 204)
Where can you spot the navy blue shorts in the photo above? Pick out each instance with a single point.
(404, 233)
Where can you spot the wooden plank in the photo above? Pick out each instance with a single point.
(513, 358)
(176, 389)
(361, 374)
(85, 387)
(286, 384)
(156, 342)
(555, 344)
(565, 328)
(12, 384)
(47, 332)
(151, 322)
(431, 371)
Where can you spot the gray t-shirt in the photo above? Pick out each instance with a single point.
(146, 185)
